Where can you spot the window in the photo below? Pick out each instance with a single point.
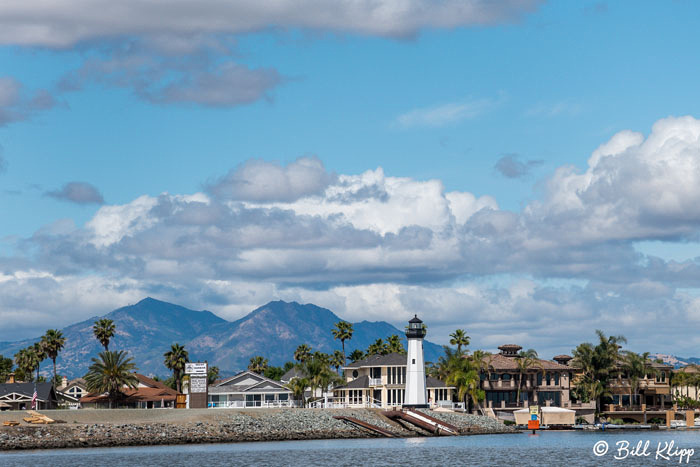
(556, 378)
(549, 379)
(355, 373)
(494, 376)
(283, 397)
(269, 397)
(539, 379)
(506, 376)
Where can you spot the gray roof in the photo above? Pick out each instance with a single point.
(431, 382)
(247, 382)
(44, 391)
(359, 383)
(392, 359)
(293, 373)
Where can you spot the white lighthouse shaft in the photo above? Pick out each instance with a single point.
(416, 394)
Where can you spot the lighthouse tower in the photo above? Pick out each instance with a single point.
(416, 395)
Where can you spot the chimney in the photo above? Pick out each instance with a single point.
(64, 382)
(11, 378)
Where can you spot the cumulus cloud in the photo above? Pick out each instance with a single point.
(257, 180)
(77, 192)
(370, 245)
(67, 22)
(510, 166)
(16, 104)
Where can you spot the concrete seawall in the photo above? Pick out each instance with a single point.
(133, 427)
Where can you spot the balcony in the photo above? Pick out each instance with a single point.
(375, 381)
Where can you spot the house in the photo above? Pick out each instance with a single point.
(148, 394)
(18, 396)
(249, 389)
(70, 392)
(653, 391)
(686, 382)
(544, 382)
(380, 380)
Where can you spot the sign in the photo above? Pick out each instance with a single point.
(198, 385)
(533, 425)
(533, 417)
(534, 409)
(196, 368)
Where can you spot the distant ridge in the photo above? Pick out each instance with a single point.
(275, 330)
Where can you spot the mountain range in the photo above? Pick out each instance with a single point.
(148, 328)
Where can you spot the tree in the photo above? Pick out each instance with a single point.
(394, 345)
(104, 331)
(25, 362)
(38, 355)
(258, 364)
(5, 368)
(317, 372)
(598, 364)
(459, 338)
(464, 376)
(111, 372)
(298, 386)
(636, 367)
(343, 331)
(379, 347)
(53, 342)
(337, 360)
(212, 374)
(302, 353)
(356, 355)
(525, 360)
(175, 360)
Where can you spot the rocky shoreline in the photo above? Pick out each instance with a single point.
(222, 427)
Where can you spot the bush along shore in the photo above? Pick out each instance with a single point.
(224, 426)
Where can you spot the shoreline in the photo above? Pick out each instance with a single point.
(210, 426)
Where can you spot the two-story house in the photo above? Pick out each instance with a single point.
(380, 381)
(540, 382)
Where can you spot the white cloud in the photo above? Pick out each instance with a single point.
(63, 23)
(444, 114)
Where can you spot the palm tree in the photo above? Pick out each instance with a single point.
(337, 360)
(525, 360)
(302, 353)
(356, 355)
(104, 331)
(636, 367)
(38, 351)
(394, 345)
(298, 386)
(212, 374)
(53, 343)
(379, 347)
(175, 360)
(465, 378)
(111, 372)
(459, 338)
(343, 331)
(25, 361)
(258, 364)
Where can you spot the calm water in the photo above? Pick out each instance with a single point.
(552, 448)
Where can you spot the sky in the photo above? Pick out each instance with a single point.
(528, 171)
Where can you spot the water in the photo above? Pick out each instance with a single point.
(544, 449)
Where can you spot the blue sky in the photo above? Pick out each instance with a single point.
(275, 116)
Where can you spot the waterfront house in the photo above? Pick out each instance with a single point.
(653, 391)
(686, 382)
(380, 381)
(18, 396)
(249, 389)
(148, 394)
(544, 382)
(70, 392)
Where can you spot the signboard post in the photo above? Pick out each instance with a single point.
(199, 389)
(534, 422)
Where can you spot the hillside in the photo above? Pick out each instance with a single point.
(148, 328)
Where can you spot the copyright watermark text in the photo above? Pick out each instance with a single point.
(663, 450)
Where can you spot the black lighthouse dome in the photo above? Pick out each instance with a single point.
(415, 329)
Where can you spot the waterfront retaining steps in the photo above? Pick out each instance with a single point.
(423, 421)
(368, 426)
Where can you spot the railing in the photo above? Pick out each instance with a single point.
(252, 404)
(375, 381)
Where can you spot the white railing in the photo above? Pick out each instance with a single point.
(252, 404)
(375, 381)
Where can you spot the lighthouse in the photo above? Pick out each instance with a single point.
(416, 395)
